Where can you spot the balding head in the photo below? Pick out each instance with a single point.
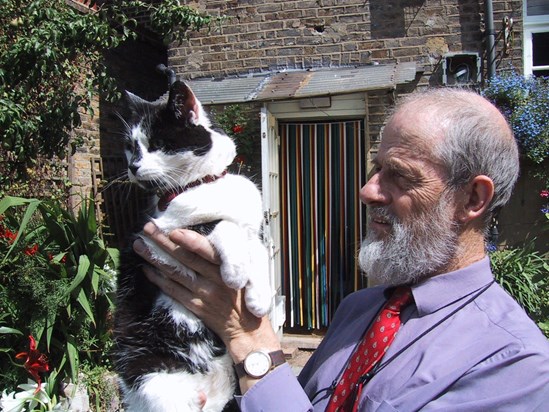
(467, 135)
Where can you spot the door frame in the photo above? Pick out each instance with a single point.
(327, 108)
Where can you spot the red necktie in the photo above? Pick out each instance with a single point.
(369, 352)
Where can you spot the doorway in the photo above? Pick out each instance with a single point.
(322, 168)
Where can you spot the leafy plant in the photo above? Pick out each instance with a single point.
(236, 120)
(102, 390)
(51, 65)
(524, 274)
(56, 281)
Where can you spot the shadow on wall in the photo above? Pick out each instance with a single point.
(392, 19)
(522, 221)
(124, 206)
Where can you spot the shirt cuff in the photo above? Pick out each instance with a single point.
(279, 390)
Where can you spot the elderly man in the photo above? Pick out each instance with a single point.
(446, 162)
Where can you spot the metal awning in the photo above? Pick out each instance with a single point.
(297, 84)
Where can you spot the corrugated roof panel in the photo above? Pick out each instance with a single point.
(283, 85)
(226, 90)
(405, 72)
(348, 81)
(300, 84)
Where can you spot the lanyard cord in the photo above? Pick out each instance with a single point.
(380, 366)
(366, 378)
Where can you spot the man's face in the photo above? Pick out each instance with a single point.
(411, 232)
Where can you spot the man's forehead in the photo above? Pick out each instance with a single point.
(415, 130)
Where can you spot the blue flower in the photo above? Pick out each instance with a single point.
(525, 103)
(490, 247)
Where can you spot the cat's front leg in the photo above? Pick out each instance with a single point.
(231, 243)
(258, 292)
(244, 264)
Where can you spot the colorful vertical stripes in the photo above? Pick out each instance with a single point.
(322, 170)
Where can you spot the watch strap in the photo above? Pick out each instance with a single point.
(277, 359)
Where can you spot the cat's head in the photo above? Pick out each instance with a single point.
(170, 143)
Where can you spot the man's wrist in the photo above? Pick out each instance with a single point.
(262, 338)
(260, 362)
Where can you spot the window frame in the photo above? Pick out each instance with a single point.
(531, 25)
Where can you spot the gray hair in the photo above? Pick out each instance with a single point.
(476, 140)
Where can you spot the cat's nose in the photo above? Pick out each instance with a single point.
(133, 169)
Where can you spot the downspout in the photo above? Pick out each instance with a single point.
(490, 39)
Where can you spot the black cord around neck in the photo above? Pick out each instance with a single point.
(380, 366)
(364, 379)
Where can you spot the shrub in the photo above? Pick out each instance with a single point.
(56, 283)
(525, 103)
(524, 274)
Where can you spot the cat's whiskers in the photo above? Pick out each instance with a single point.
(123, 120)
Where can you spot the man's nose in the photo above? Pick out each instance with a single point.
(372, 192)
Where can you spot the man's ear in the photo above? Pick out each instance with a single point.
(477, 195)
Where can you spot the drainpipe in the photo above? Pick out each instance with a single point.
(490, 39)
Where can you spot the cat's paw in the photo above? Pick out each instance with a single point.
(258, 299)
(232, 274)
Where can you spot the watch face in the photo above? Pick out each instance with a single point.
(257, 364)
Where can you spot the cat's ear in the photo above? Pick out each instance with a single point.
(184, 103)
(135, 103)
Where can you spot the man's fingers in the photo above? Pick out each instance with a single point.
(188, 247)
(195, 243)
(176, 290)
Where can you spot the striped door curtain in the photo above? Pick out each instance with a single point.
(322, 169)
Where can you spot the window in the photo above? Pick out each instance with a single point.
(536, 37)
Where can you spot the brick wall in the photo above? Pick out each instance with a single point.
(285, 34)
(269, 35)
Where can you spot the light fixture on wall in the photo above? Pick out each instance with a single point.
(460, 69)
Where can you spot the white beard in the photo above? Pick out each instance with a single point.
(414, 250)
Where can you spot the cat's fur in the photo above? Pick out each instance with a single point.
(164, 355)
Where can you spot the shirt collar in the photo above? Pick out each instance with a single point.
(439, 291)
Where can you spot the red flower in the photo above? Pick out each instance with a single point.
(237, 128)
(544, 193)
(7, 234)
(30, 251)
(35, 363)
(63, 259)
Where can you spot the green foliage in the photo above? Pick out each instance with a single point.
(13, 373)
(56, 283)
(524, 274)
(100, 382)
(236, 120)
(51, 65)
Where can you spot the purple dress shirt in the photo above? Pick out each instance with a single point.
(487, 356)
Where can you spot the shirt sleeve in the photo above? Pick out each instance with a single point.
(278, 391)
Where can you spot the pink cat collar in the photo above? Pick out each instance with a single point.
(165, 199)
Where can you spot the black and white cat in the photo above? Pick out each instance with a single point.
(163, 354)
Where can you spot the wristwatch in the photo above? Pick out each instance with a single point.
(259, 362)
